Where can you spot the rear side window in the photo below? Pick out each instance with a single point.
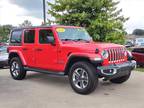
(16, 36)
(29, 36)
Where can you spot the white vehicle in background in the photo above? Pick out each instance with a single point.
(139, 41)
(3, 56)
(129, 43)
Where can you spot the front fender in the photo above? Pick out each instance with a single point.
(89, 56)
(80, 56)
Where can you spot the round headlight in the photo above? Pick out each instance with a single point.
(105, 54)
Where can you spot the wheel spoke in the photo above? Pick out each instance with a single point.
(76, 81)
(77, 74)
(14, 73)
(81, 84)
(14, 64)
(17, 67)
(12, 68)
(85, 76)
(86, 80)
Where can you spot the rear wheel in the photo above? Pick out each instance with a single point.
(83, 78)
(121, 79)
(16, 69)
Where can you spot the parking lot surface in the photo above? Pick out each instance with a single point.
(44, 91)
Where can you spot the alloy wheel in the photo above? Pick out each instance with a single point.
(80, 78)
(15, 69)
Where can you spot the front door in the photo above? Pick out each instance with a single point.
(46, 53)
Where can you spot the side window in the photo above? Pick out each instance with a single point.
(29, 36)
(45, 36)
(16, 36)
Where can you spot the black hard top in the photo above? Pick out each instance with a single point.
(32, 27)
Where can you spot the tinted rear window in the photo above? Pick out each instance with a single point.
(16, 36)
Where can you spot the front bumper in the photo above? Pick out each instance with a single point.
(116, 70)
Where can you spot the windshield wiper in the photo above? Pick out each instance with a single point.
(76, 40)
(81, 40)
(66, 39)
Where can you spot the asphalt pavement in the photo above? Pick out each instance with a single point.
(44, 91)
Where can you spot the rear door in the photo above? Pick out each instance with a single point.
(28, 46)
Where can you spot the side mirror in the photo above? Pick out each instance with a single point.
(51, 40)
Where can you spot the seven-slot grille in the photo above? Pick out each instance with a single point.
(116, 54)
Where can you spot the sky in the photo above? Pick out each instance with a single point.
(16, 11)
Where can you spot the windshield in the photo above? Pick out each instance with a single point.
(76, 34)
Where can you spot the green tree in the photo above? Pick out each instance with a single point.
(26, 23)
(101, 18)
(4, 32)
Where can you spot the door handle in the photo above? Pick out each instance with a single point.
(39, 49)
(24, 49)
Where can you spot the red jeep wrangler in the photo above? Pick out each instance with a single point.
(68, 50)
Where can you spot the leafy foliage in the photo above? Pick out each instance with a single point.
(100, 17)
(4, 32)
(26, 23)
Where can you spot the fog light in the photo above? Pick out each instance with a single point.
(109, 71)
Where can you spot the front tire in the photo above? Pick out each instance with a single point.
(83, 78)
(16, 69)
(121, 79)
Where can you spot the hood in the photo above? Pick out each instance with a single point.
(91, 46)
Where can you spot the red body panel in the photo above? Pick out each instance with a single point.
(139, 57)
(55, 57)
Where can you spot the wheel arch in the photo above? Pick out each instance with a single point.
(16, 54)
(73, 59)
